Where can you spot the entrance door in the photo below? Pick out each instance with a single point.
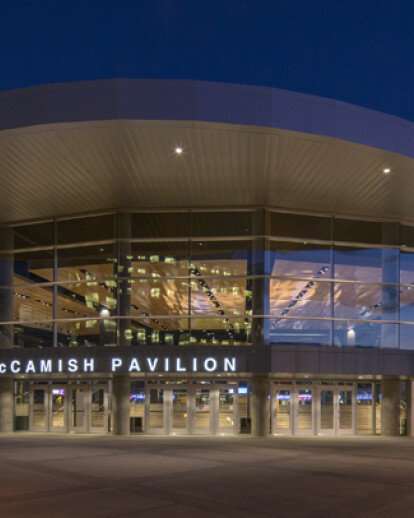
(38, 408)
(227, 410)
(98, 409)
(336, 412)
(58, 421)
(203, 409)
(78, 408)
(281, 409)
(157, 415)
(180, 410)
(305, 408)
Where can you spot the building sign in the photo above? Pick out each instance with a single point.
(120, 365)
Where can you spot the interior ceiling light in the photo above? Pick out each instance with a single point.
(178, 150)
(386, 170)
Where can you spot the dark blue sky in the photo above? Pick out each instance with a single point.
(356, 51)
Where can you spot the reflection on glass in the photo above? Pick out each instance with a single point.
(305, 409)
(180, 413)
(226, 409)
(282, 409)
(327, 409)
(202, 420)
(156, 408)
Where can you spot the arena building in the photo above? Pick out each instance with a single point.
(181, 257)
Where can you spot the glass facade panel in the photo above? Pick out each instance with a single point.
(32, 267)
(160, 225)
(85, 263)
(89, 229)
(215, 224)
(206, 277)
(33, 235)
(296, 225)
(358, 264)
(299, 332)
(299, 260)
(300, 298)
(159, 259)
(358, 231)
(366, 334)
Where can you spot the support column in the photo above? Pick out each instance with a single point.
(6, 404)
(259, 405)
(390, 413)
(121, 390)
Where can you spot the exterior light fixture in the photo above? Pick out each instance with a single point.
(178, 150)
(386, 170)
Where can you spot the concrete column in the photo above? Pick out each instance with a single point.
(6, 279)
(390, 413)
(6, 405)
(259, 405)
(121, 390)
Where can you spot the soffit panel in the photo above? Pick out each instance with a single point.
(69, 168)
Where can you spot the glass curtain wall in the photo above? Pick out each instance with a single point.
(203, 277)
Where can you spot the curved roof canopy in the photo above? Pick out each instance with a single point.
(81, 147)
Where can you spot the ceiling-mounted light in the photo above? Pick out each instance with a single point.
(386, 170)
(178, 150)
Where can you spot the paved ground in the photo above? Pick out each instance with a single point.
(197, 477)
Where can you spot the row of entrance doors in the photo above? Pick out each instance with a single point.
(189, 409)
(323, 409)
(295, 408)
(68, 408)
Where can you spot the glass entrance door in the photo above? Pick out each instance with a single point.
(180, 410)
(327, 411)
(203, 404)
(38, 414)
(98, 409)
(304, 415)
(156, 419)
(281, 409)
(78, 409)
(58, 409)
(336, 410)
(227, 421)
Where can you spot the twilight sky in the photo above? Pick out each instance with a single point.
(360, 52)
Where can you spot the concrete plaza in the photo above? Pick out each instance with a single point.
(78, 476)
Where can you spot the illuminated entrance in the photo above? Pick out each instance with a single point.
(190, 408)
(65, 408)
(308, 408)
